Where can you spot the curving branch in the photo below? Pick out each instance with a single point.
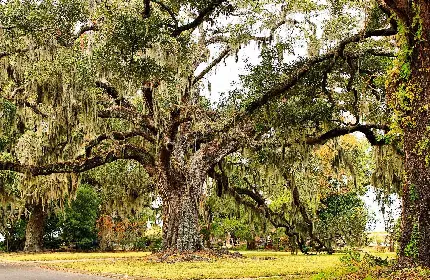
(309, 63)
(119, 112)
(86, 28)
(32, 106)
(199, 19)
(169, 11)
(78, 166)
(276, 219)
(398, 7)
(366, 129)
(119, 136)
(22, 102)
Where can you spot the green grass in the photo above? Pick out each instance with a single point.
(255, 265)
(279, 265)
(69, 256)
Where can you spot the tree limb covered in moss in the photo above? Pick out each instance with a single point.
(169, 10)
(309, 63)
(119, 136)
(77, 166)
(275, 219)
(86, 28)
(25, 103)
(120, 112)
(398, 7)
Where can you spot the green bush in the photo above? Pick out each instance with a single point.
(78, 222)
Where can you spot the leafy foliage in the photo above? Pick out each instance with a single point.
(78, 224)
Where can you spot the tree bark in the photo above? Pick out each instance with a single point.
(415, 238)
(181, 230)
(35, 230)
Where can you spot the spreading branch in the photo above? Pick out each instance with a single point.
(172, 14)
(119, 136)
(22, 102)
(199, 19)
(366, 129)
(307, 66)
(86, 28)
(32, 106)
(82, 165)
(119, 112)
(398, 7)
(276, 219)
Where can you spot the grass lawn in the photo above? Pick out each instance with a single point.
(255, 264)
(69, 256)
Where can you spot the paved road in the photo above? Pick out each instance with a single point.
(26, 272)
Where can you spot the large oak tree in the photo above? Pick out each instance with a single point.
(101, 81)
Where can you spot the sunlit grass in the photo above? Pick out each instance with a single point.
(255, 265)
(280, 265)
(70, 256)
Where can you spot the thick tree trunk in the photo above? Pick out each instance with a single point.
(415, 239)
(181, 230)
(35, 230)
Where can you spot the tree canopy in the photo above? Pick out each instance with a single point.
(91, 89)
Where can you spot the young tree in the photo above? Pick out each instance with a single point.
(77, 65)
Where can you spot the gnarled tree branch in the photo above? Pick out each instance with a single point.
(119, 112)
(120, 136)
(169, 11)
(123, 152)
(307, 66)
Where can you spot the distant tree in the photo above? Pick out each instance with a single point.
(13, 232)
(342, 218)
(224, 217)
